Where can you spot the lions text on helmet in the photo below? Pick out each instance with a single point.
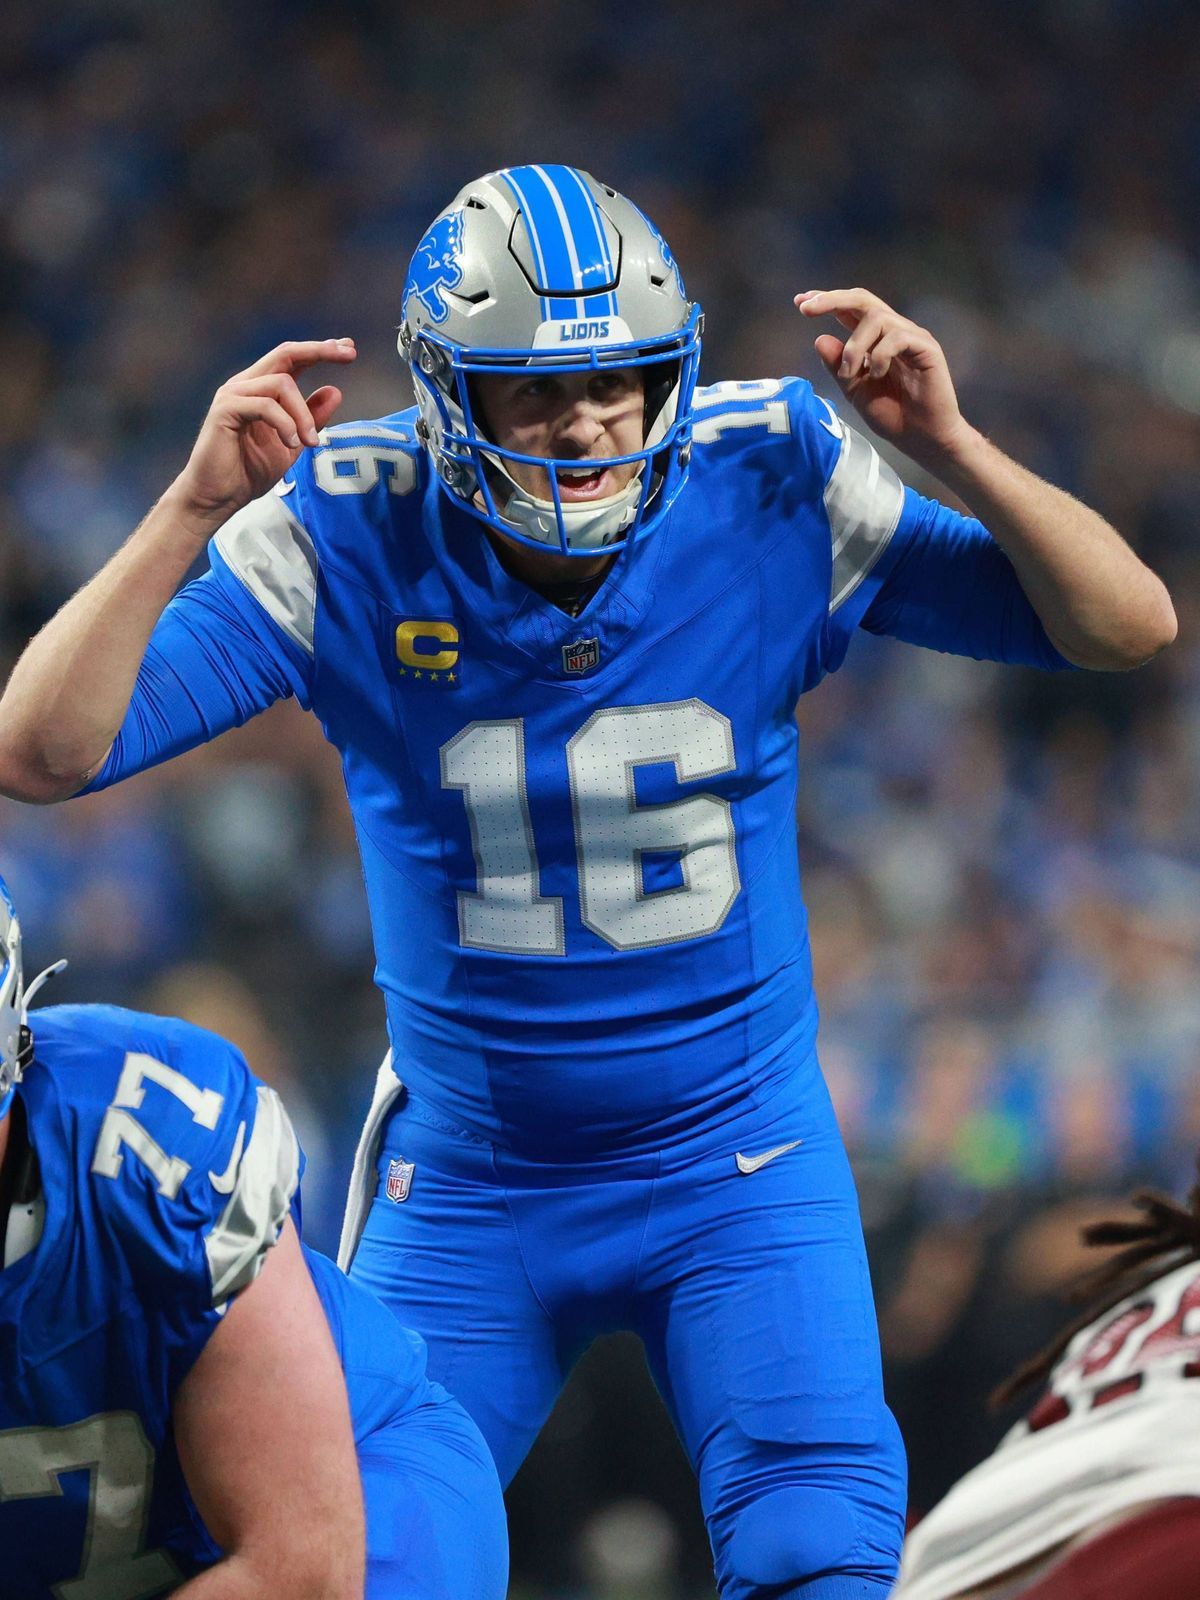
(546, 324)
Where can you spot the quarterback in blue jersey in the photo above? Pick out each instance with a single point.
(556, 618)
(173, 1415)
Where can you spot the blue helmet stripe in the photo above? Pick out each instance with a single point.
(553, 247)
(511, 177)
(596, 305)
(590, 264)
(572, 184)
(569, 248)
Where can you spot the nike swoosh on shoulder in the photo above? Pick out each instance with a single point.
(223, 1182)
(835, 425)
(752, 1163)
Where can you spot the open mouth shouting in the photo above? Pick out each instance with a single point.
(584, 482)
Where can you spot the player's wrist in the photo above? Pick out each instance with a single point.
(958, 456)
(190, 518)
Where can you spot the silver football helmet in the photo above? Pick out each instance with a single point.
(544, 267)
(14, 999)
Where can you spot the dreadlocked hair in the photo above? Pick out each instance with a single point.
(1165, 1237)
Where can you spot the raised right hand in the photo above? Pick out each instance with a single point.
(256, 427)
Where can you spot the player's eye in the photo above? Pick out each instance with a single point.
(612, 385)
(535, 389)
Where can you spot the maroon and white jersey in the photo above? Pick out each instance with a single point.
(1118, 1425)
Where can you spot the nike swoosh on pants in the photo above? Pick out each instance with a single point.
(752, 1163)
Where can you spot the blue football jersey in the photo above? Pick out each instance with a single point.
(578, 833)
(166, 1174)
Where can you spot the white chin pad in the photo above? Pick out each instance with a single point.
(588, 525)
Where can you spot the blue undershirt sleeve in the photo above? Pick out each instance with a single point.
(214, 661)
(952, 588)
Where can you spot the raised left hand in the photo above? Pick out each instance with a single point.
(893, 373)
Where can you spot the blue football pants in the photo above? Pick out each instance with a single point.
(749, 1291)
(435, 1515)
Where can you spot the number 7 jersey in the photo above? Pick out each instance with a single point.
(577, 833)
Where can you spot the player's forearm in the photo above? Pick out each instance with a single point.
(234, 1579)
(1101, 606)
(69, 692)
(241, 1577)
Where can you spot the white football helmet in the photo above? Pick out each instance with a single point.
(543, 267)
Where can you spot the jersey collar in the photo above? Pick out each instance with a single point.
(516, 618)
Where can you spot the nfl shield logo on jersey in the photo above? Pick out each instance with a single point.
(581, 656)
(399, 1179)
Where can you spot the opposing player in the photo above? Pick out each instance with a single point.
(556, 619)
(173, 1415)
(1096, 1492)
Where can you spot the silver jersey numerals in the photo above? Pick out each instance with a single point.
(356, 466)
(116, 1454)
(612, 831)
(120, 1126)
(487, 762)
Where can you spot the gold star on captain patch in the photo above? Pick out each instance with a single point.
(452, 677)
(404, 672)
(418, 673)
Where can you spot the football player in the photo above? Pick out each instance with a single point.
(173, 1415)
(556, 618)
(1096, 1492)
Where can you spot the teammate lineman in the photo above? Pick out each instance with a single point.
(556, 620)
(173, 1415)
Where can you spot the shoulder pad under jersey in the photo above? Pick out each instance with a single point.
(191, 1161)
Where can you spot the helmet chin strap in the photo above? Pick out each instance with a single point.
(52, 971)
(11, 1072)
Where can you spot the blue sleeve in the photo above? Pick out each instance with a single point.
(214, 661)
(949, 586)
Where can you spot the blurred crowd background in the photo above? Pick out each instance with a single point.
(1002, 868)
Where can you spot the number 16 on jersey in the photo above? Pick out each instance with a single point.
(506, 912)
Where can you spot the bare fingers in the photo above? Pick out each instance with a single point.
(281, 386)
(829, 347)
(856, 356)
(248, 408)
(295, 355)
(323, 402)
(899, 344)
(849, 306)
(879, 335)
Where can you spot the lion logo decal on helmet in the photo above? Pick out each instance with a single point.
(436, 267)
(669, 260)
